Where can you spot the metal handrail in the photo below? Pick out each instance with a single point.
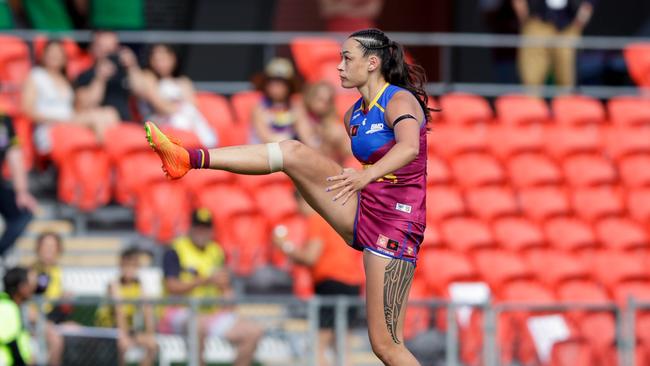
(484, 40)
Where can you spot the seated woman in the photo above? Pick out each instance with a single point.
(168, 98)
(49, 247)
(276, 118)
(48, 99)
(329, 133)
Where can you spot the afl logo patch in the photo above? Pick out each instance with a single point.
(354, 130)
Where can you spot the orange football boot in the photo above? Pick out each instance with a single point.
(174, 157)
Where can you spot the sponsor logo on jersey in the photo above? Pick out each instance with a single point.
(375, 127)
(356, 115)
(385, 242)
(402, 207)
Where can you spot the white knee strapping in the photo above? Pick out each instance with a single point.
(275, 156)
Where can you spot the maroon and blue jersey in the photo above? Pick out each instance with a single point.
(392, 210)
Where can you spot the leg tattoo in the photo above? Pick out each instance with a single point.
(397, 280)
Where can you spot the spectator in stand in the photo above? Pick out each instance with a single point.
(329, 133)
(334, 268)
(350, 15)
(499, 17)
(542, 18)
(16, 203)
(194, 267)
(135, 323)
(48, 99)
(49, 247)
(169, 97)
(15, 349)
(112, 80)
(276, 117)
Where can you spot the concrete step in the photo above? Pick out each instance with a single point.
(77, 244)
(68, 260)
(62, 227)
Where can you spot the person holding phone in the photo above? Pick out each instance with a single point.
(113, 79)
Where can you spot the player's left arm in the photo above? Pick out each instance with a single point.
(405, 109)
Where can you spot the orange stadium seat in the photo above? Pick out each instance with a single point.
(562, 141)
(635, 171)
(431, 239)
(613, 268)
(498, 267)
(598, 327)
(541, 203)
(621, 233)
(465, 234)
(569, 234)
(310, 53)
(517, 110)
(162, 210)
(196, 181)
(529, 170)
(448, 141)
(641, 358)
(216, 110)
(417, 318)
(133, 172)
(588, 170)
(517, 233)
(464, 109)
(24, 131)
(15, 61)
(243, 104)
(507, 141)
(444, 202)
(344, 101)
(253, 183)
(126, 138)
(441, 267)
(572, 352)
(629, 111)
(328, 72)
(472, 170)
(597, 202)
(437, 171)
(68, 139)
(638, 204)
(529, 292)
(622, 142)
(187, 139)
(640, 291)
(576, 110)
(276, 202)
(246, 239)
(84, 179)
(555, 268)
(582, 291)
(489, 203)
(471, 339)
(297, 232)
(226, 200)
(637, 58)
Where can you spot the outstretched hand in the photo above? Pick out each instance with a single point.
(349, 182)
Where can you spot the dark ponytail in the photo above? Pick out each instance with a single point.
(394, 67)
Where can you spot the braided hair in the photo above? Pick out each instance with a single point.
(394, 67)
